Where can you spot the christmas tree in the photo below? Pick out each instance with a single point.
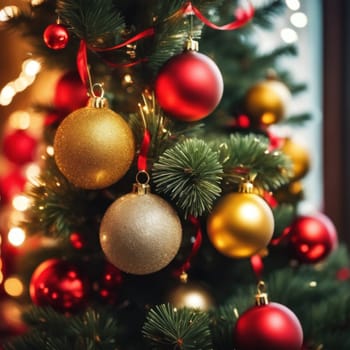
(165, 213)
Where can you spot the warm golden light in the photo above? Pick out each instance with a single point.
(19, 120)
(20, 202)
(16, 236)
(31, 67)
(13, 286)
(8, 12)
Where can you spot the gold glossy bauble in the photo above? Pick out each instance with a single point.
(191, 295)
(240, 225)
(94, 147)
(267, 102)
(140, 234)
(299, 157)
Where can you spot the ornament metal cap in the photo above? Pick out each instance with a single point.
(139, 187)
(191, 45)
(97, 100)
(261, 297)
(246, 187)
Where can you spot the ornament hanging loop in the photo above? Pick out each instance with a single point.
(97, 99)
(142, 185)
(261, 297)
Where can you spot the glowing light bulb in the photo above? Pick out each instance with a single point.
(293, 4)
(20, 202)
(13, 286)
(16, 236)
(289, 35)
(50, 150)
(8, 12)
(299, 19)
(32, 171)
(31, 67)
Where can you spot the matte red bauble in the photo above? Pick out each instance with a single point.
(56, 36)
(268, 327)
(312, 238)
(19, 147)
(189, 86)
(70, 93)
(59, 284)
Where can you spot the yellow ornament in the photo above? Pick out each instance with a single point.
(94, 146)
(240, 225)
(140, 232)
(191, 295)
(267, 102)
(299, 157)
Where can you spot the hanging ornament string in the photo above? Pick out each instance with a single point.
(257, 266)
(242, 17)
(181, 272)
(82, 53)
(282, 237)
(146, 139)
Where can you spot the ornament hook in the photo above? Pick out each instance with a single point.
(261, 297)
(142, 185)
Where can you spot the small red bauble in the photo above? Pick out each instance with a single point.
(59, 284)
(56, 36)
(70, 93)
(19, 147)
(77, 240)
(189, 86)
(268, 327)
(312, 238)
(109, 283)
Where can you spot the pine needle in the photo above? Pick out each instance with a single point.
(190, 173)
(167, 327)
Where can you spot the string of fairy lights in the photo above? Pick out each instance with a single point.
(23, 120)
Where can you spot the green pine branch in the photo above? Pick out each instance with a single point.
(58, 208)
(169, 328)
(190, 173)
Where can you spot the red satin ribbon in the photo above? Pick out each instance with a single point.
(257, 264)
(283, 236)
(142, 158)
(243, 16)
(195, 247)
(82, 63)
(146, 33)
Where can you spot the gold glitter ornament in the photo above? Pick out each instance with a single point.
(94, 146)
(241, 224)
(140, 232)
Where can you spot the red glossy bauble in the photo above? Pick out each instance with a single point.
(312, 238)
(268, 327)
(59, 284)
(19, 147)
(189, 86)
(70, 93)
(11, 184)
(56, 36)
